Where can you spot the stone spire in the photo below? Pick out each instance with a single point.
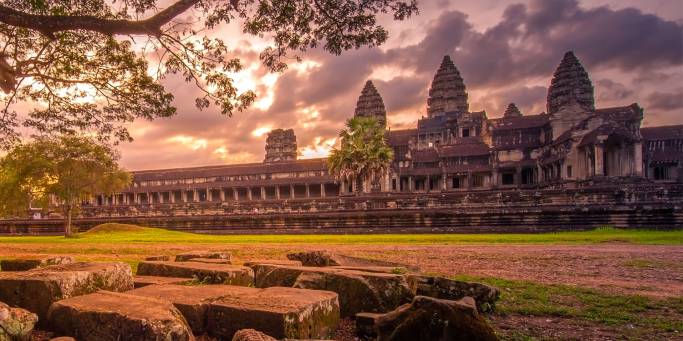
(570, 87)
(512, 111)
(370, 104)
(281, 146)
(447, 92)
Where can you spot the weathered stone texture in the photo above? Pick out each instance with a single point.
(143, 281)
(164, 258)
(251, 335)
(221, 310)
(281, 146)
(447, 92)
(183, 257)
(35, 290)
(512, 111)
(358, 291)
(25, 264)
(484, 295)
(370, 104)
(202, 272)
(570, 86)
(16, 324)
(428, 319)
(109, 316)
(250, 263)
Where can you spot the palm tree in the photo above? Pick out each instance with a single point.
(364, 155)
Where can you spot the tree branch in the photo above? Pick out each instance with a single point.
(51, 24)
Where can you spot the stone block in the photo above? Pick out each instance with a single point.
(366, 325)
(427, 319)
(201, 254)
(251, 335)
(35, 290)
(16, 323)
(202, 272)
(25, 264)
(109, 316)
(484, 295)
(272, 262)
(324, 258)
(358, 291)
(164, 258)
(210, 260)
(221, 310)
(143, 281)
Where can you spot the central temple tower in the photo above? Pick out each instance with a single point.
(448, 92)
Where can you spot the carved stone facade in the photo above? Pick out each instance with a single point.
(281, 146)
(448, 92)
(370, 104)
(453, 149)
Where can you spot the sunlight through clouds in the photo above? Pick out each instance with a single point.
(320, 148)
(189, 141)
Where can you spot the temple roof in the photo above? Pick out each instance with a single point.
(570, 86)
(673, 132)
(447, 92)
(512, 111)
(425, 155)
(399, 137)
(230, 170)
(625, 113)
(521, 122)
(370, 104)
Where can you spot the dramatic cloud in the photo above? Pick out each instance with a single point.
(505, 52)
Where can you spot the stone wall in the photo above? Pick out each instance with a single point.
(626, 205)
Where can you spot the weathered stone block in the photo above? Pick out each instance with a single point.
(109, 316)
(324, 258)
(35, 290)
(427, 319)
(313, 258)
(16, 324)
(201, 254)
(279, 312)
(358, 291)
(164, 258)
(251, 335)
(202, 272)
(25, 264)
(210, 260)
(143, 281)
(273, 262)
(221, 310)
(366, 325)
(484, 295)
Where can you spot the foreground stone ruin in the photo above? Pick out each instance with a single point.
(263, 300)
(24, 264)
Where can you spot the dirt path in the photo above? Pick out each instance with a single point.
(655, 271)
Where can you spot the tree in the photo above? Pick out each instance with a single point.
(90, 65)
(68, 168)
(364, 155)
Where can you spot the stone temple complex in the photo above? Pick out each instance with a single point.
(457, 167)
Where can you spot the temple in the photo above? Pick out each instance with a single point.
(574, 165)
(452, 149)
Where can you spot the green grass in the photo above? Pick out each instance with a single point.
(153, 235)
(534, 299)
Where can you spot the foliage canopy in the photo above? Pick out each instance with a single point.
(69, 168)
(364, 154)
(90, 65)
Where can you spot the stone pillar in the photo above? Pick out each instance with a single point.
(518, 176)
(235, 194)
(308, 191)
(249, 195)
(263, 193)
(209, 195)
(149, 198)
(277, 192)
(638, 159)
(195, 195)
(291, 192)
(322, 190)
(222, 194)
(171, 197)
(183, 195)
(599, 160)
(444, 182)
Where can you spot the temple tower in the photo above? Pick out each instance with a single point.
(570, 95)
(448, 92)
(370, 104)
(512, 111)
(281, 146)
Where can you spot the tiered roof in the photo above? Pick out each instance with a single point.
(570, 86)
(512, 111)
(370, 104)
(448, 92)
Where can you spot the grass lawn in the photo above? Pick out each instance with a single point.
(118, 233)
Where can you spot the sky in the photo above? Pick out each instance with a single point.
(506, 51)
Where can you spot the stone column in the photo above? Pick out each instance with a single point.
(222, 194)
(411, 185)
(195, 195)
(263, 193)
(209, 195)
(249, 195)
(277, 192)
(322, 190)
(518, 176)
(599, 160)
(308, 191)
(638, 159)
(235, 194)
(291, 192)
(171, 197)
(444, 182)
(149, 198)
(183, 195)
